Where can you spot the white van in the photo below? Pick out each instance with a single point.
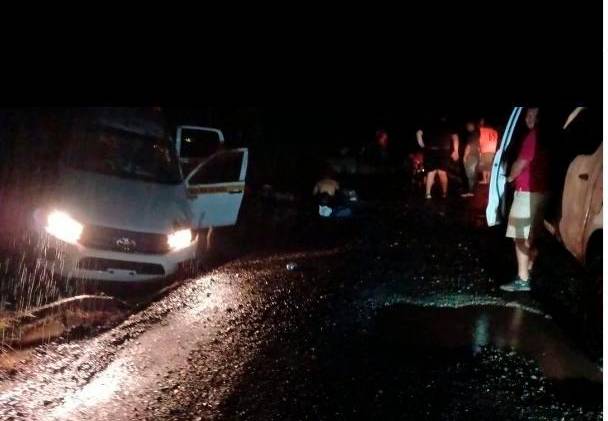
(130, 201)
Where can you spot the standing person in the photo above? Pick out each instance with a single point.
(382, 145)
(439, 144)
(529, 178)
(488, 140)
(471, 157)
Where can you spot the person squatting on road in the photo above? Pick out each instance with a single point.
(439, 144)
(529, 178)
(329, 197)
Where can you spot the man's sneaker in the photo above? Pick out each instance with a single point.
(518, 285)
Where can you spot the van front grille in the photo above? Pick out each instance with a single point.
(103, 238)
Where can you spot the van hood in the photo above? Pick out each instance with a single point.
(134, 205)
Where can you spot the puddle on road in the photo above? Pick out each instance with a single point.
(476, 326)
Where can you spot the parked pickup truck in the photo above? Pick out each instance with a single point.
(127, 200)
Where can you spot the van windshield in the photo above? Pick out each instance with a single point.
(124, 154)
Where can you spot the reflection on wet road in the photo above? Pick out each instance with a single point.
(475, 327)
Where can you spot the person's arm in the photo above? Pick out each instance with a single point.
(315, 190)
(517, 168)
(526, 155)
(572, 116)
(419, 138)
(455, 145)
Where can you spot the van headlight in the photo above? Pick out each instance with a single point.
(179, 239)
(62, 226)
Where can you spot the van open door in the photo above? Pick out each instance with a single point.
(195, 144)
(496, 210)
(216, 188)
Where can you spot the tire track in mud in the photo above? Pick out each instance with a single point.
(57, 370)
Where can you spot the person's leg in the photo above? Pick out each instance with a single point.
(522, 252)
(471, 177)
(443, 180)
(518, 228)
(533, 252)
(430, 180)
(534, 233)
(471, 170)
(483, 168)
(522, 282)
(488, 160)
(537, 207)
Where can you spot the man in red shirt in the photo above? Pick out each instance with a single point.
(529, 178)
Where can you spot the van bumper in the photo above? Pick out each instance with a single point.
(74, 261)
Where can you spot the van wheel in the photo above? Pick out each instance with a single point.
(206, 247)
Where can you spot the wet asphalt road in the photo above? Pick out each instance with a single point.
(394, 315)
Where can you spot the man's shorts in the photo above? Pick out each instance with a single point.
(526, 215)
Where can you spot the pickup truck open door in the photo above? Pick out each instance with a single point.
(216, 188)
(215, 178)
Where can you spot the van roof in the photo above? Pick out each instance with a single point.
(148, 122)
